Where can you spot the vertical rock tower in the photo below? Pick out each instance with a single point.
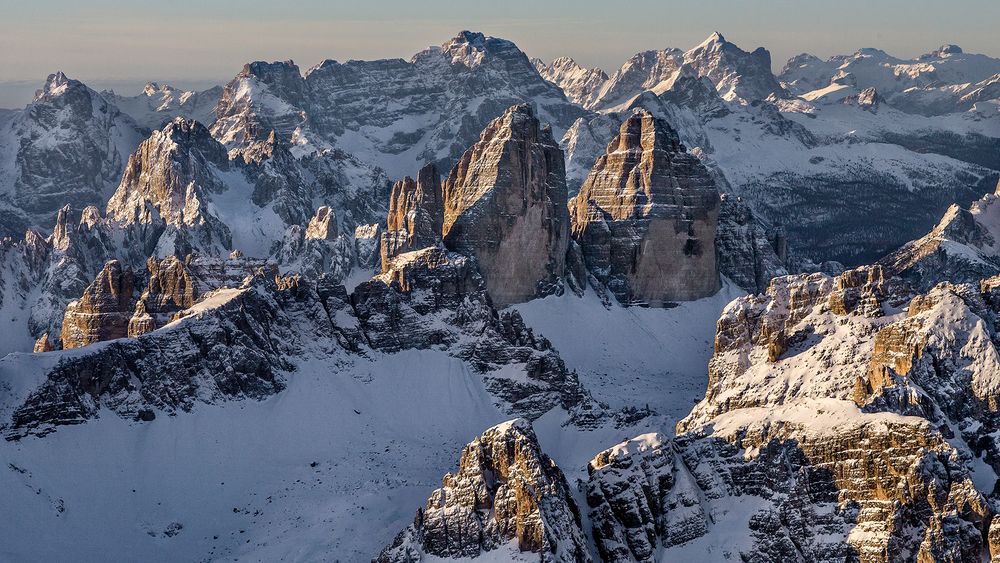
(416, 213)
(505, 203)
(646, 217)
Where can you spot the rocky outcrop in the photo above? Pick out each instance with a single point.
(757, 331)
(167, 185)
(736, 74)
(854, 409)
(505, 204)
(103, 312)
(435, 298)
(318, 248)
(963, 247)
(235, 349)
(416, 215)
(832, 487)
(323, 225)
(581, 85)
(646, 217)
(173, 285)
(402, 113)
(506, 491)
(43, 344)
(642, 497)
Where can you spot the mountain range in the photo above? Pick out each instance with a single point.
(477, 306)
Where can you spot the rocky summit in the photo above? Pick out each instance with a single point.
(646, 217)
(506, 493)
(471, 306)
(505, 203)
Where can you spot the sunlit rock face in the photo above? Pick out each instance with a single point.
(102, 313)
(505, 204)
(854, 407)
(646, 217)
(505, 493)
(416, 214)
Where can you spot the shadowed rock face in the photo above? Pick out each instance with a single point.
(646, 217)
(102, 313)
(505, 204)
(505, 490)
(69, 146)
(640, 497)
(748, 255)
(416, 213)
(175, 284)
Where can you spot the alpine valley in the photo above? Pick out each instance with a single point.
(478, 306)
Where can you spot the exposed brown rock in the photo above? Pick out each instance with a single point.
(416, 214)
(505, 490)
(323, 225)
(505, 204)
(175, 284)
(646, 217)
(102, 313)
(43, 344)
(166, 184)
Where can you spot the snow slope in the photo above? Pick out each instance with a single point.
(238, 480)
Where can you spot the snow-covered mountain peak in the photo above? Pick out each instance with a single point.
(942, 52)
(713, 42)
(57, 84)
(152, 89)
(471, 49)
(737, 74)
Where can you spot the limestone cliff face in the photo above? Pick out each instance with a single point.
(103, 311)
(855, 409)
(173, 285)
(505, 490)
(416, 214)
(505, 204)
(646, 217)
(317, 248)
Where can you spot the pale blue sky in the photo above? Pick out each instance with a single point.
(198, 40)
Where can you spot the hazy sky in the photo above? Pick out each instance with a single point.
(209, 40)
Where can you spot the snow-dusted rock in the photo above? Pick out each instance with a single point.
(435, 298)
(945, 80)
(395, 114)
(505, 495)
(581, 85)
(641, 496)
(68, 146)
(167, 187)
(158, 104)
(963, 247)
